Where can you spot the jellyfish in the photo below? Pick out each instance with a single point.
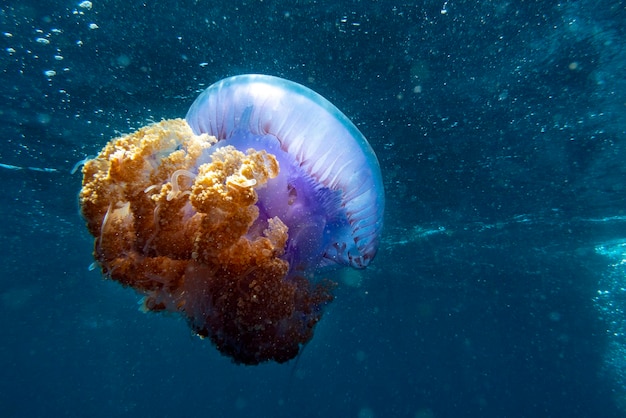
(234, 216)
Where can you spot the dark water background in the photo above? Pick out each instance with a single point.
(500, 287)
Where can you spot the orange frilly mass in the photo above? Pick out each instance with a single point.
(185, 233)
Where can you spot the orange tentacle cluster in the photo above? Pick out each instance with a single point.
(185, 233)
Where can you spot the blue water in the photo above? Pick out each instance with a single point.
(500, 286)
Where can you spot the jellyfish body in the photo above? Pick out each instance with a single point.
(327, 165)
(231, 216)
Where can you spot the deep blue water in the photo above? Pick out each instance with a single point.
(500, 286)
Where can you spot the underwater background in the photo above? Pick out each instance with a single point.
(499, 289)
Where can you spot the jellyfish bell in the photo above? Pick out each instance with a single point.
(328, 164)
(232, 216)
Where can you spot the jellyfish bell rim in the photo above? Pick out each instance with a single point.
(303, 122)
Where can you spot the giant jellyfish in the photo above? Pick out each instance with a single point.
(234, 216)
